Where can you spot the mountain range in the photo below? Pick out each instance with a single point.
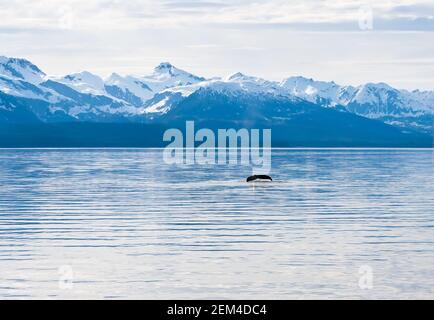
(83, 109)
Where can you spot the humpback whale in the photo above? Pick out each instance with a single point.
(259, 177)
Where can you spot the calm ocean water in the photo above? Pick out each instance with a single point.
(122, 224)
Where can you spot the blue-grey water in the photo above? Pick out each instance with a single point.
(110, 223)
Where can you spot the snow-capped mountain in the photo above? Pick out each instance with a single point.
(166, 76)
(136, 91)
(128, 88)
(326, 93)
(21, 69)
(144, 91)
(21, 78)
(372, 100)
(84, 82)
(168, 91)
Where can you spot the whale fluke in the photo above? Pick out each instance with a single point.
(259, 177)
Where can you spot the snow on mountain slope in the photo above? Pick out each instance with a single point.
(419, 100)
(128, 88)
(372, 100)
(87, 96)
(132, 90)
(376, 100)
(382, 98)
(20, 88)
(255, 84)
(78, 105)
(236, 83)
(21, 69)
(396, 107)
(166, 76)
(165, 101)
(326, 93)
(84, 82)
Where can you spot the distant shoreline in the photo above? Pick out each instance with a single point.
(276, 149)
(136, 135)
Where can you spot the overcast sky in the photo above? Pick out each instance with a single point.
(326, 40)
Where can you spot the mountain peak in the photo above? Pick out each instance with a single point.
(83, 76)
(168, 70)
(24, 63)
(379, 85)
(20, 68)
(164, 67)
(113, 77)
(297, 80)
(84, 81)
(300, 82)
(166, 75)
(239, 76)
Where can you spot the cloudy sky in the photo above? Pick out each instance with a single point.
(350, 42)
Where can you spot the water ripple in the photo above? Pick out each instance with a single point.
(129, 226)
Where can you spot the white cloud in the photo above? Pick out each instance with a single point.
(132, 14)
(274, 38)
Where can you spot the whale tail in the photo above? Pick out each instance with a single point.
(259, 177)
